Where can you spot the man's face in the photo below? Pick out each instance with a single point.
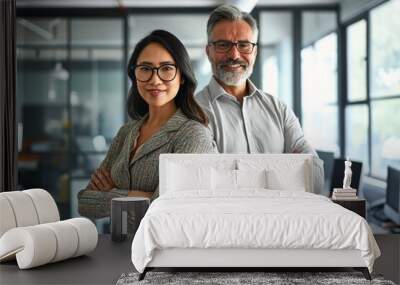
(232, 68)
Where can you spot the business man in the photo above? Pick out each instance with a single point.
(244, 119)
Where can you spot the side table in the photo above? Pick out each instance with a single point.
(126, 214)
(356, 205)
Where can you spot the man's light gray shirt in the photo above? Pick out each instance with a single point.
(262, 124)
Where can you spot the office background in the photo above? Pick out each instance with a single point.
(336, 63)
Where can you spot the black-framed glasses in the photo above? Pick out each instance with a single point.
(166, 72)
(225, 46)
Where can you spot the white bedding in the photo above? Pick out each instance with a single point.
(251, 218)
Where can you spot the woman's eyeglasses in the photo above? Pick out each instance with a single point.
(166, 72)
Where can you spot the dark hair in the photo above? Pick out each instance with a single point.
(184, 100)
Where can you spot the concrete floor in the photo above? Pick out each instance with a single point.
(389, 262)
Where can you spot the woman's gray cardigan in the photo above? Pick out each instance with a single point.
(178, 135)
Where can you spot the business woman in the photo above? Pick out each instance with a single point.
(165, 119)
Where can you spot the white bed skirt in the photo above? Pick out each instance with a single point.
(193, 257)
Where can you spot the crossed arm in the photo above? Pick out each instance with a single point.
(101, 181)
(94, 201)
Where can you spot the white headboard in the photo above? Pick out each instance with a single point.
(282, 163)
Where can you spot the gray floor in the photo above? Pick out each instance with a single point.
(110, 260)
(389, 262)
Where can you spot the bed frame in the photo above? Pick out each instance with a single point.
(242, 259)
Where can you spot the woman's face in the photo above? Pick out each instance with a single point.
(159, 89)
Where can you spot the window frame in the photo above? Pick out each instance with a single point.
(369, 100)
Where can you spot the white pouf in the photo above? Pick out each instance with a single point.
(31, 231)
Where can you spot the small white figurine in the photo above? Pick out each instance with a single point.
(347, 174)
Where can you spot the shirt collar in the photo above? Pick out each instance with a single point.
(252, 88)
(216, 90)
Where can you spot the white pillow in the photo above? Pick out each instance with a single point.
(224, 179)
(228, 179)
(278, 180)
(251, 178)
(182, 177)
(281, 173)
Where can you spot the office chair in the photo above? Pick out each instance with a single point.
(385, 212)
(391, 209)
(338, 174)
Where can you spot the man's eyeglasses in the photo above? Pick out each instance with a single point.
(144, 73)
(225, 46)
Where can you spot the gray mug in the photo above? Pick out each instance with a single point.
(126, 214)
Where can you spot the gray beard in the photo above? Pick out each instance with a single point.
(230, 78)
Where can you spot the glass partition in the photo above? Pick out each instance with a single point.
(70, 100)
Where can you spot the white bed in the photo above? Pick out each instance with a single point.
(231, 211)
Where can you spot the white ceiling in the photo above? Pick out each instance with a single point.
(166, 3)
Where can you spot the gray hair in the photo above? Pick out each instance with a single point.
(230, 13)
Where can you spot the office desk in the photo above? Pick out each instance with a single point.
(102, 266)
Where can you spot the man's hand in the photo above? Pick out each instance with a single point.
(101, 180)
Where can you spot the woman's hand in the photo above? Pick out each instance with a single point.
(101, 180)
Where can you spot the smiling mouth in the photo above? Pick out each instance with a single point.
(155, 92)
(233, 66)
